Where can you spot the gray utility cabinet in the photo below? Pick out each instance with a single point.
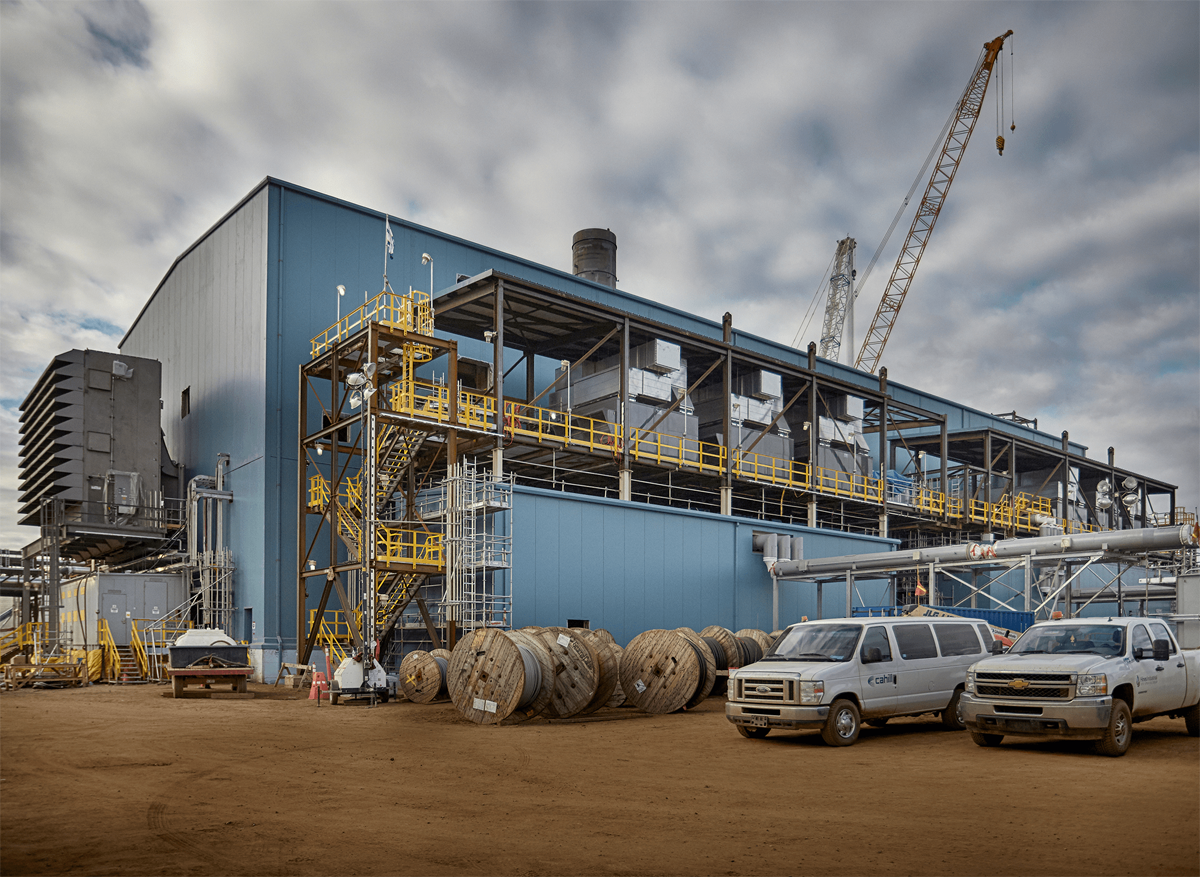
(120, 599)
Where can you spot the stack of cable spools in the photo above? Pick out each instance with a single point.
(512, 676)
(663, 671)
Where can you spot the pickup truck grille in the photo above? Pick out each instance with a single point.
(1054, 686)
(766, 690)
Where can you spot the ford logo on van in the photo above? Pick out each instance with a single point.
(1018, 683)
(763, 689)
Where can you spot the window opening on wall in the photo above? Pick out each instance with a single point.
(185, 402)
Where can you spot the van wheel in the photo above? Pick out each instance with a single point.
(1119, 733)
(877, 723)
(842, 725)
(987, 740)
(952, 714)
(1192, 719)
(753, 733)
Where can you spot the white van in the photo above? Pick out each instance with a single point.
(833, 674)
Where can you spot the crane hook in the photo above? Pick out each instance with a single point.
(1000, 144)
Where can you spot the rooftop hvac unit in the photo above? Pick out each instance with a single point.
(658, 356)
(760, 384)
(846, 407)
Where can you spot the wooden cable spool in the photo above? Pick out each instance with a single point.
(660, 671)
(603, 635)
(760, 637)
(533, 652)
(576, 667)
(423, 676)
(441, 653)
(708, 667)
(608, 673)
(490, 677)
(728, 644)
(618, 695)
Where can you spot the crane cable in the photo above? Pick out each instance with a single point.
(812, 309)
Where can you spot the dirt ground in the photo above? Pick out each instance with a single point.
(122, 780)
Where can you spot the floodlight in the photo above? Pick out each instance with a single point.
(1130, 483)
(369, 369)
(1103, 501)
(341, 290)
(1130, 499)
(355, 379)
(426, 258)
(355, 399)
(320, 450)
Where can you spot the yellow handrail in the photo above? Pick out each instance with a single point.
(108, 648)
(409, 313)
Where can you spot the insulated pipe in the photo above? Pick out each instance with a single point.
(1147, 539)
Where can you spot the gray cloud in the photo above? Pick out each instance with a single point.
(728, 145)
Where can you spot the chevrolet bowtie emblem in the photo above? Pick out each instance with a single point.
(1018, 683)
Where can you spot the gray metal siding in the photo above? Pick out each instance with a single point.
(629, 567)
(206, 324)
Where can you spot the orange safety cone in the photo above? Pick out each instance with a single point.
(320, 687)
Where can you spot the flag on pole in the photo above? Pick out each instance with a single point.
(391, 241)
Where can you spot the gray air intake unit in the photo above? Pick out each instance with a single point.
(90, 438)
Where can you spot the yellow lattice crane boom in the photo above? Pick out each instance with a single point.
(955, 144)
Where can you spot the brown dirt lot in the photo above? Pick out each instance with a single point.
(121, 780)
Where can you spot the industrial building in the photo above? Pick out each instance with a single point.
(542, 448)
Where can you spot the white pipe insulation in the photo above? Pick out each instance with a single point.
(1148, 539)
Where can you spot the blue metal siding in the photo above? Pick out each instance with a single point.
(206, 325)
(629, 567)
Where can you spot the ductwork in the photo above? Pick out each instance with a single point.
(1136, 541)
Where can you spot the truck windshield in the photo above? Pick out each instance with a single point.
(1094, 639)
(816, 642)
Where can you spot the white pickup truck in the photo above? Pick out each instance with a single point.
(1089, 678)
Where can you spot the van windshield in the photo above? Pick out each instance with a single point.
(816, 642)
(1107, 640)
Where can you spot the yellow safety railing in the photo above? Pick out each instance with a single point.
(431, 401)
(399, 545)
(23, 636)
(409, 313)
(139, 652)
(110, 661)
(153, 636)
(334, 633)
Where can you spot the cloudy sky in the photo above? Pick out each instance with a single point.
(729, 146)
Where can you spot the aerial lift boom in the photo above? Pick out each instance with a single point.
(955, 145)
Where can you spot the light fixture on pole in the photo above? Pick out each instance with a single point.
(341, 290)
(566, 364)
(427, 259)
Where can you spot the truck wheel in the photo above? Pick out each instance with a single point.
(333, 698)
(988, 740)
(1119, 732)
(753, 733)
(842, 725)
(1192, 719)
(952, 714)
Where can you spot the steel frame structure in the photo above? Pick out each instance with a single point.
(587, 455)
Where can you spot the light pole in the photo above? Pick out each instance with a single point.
(566, 363)
(341, 290)
(427, 259)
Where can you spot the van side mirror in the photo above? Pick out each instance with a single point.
(1162, 650)
(1139, 653)
(996, 647)
(873, 656)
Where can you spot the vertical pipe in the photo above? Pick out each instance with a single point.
(498, 378)
(987, 471)
(944, 452)
(625, 487)
(849, 593)
(301, 505)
